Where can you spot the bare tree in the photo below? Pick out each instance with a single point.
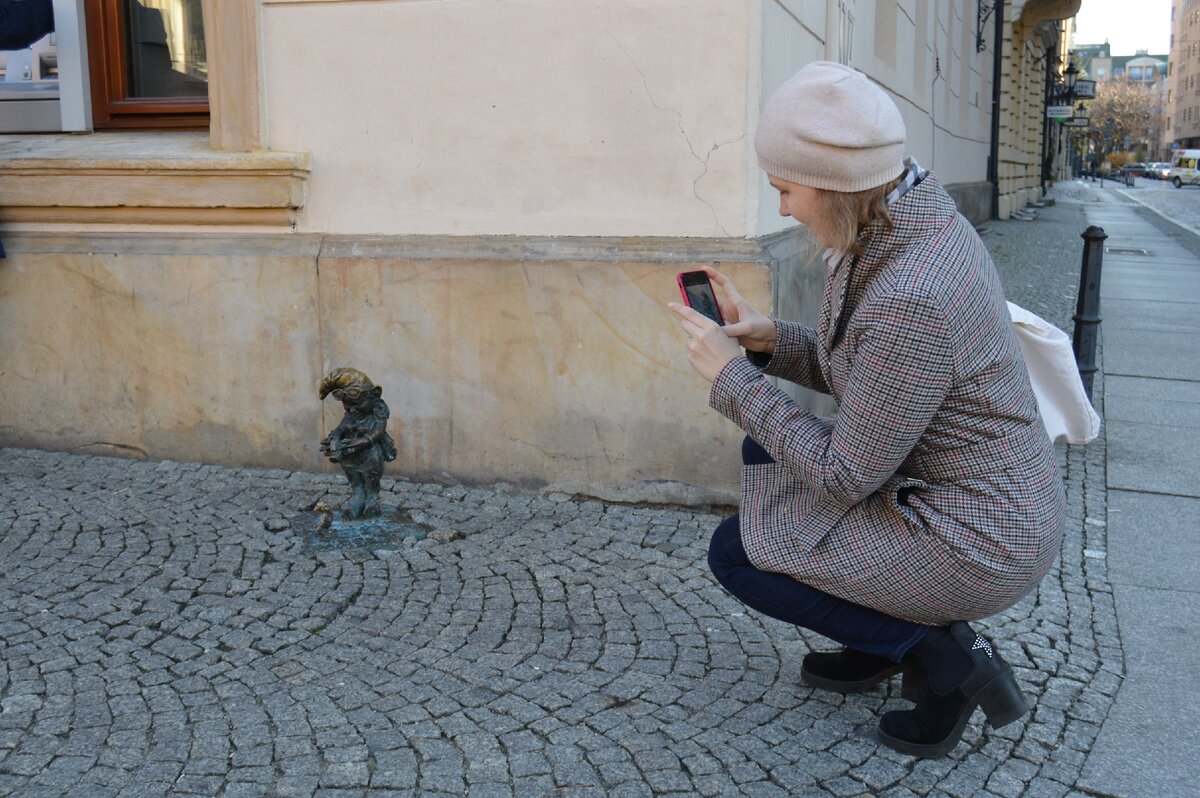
(1135, 111)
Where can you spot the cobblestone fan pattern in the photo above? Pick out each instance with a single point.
(165, 634)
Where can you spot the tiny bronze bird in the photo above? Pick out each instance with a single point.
(360, 443)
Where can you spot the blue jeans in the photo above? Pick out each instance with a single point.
(794, 602)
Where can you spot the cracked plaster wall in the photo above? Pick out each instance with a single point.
(533, 117)
(609, 117)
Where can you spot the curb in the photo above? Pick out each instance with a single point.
(1193, 230)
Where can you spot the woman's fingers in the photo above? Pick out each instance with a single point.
(728, 298)
(735, 306)
(692, 330)
(725, 284)
(709, 345)
(697, 325)
(739, 330)
(693, 317)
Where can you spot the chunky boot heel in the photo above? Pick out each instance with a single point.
(954, 671)
(1001, 700)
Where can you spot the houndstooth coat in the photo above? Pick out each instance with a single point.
(934, 494)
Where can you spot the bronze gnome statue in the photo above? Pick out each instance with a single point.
(360, 443)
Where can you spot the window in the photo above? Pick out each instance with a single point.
(232, 181)
(149, 64)
(845, 40)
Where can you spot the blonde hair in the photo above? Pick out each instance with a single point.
(843, 216)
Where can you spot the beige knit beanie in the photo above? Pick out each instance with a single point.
(831, 127)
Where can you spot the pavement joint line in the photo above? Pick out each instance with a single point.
(1112, 489)
(1150, 424)
(1156, 301)
(1157, 588)
(1151, 377)
(1156, 493)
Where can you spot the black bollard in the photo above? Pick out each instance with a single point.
(1087, 310)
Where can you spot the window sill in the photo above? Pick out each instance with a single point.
(146, 178)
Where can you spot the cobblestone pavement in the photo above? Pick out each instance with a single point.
(166, 631)
(1180, 204)
(1156, 200)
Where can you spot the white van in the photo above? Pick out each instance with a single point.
(1185, 168)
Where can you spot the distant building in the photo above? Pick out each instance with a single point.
(1141, 68)
(1097, 62)
(1094, 60)
(1183, 103)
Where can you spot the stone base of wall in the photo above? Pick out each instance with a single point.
(798, 286)
(974, 200)
(541, 362)
(1017, 200)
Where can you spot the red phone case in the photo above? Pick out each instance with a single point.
(683, 292)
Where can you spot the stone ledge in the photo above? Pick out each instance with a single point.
(146, 178)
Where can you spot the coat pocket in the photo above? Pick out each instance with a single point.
(902, 490)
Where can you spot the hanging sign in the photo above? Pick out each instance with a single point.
(1059, 111)
(1077, 121)
(1085, 89)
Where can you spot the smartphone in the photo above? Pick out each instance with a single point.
(698, 294)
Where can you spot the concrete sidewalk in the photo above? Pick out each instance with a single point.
(1151, 311)
(1149, 521)
(171, 629)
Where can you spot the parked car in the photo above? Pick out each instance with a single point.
(1160, 171)
(1135, 169)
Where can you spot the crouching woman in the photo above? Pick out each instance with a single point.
(933, 497)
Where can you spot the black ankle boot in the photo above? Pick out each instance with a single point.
(846, 671)
(962, 671)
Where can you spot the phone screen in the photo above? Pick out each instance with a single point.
(700, 295)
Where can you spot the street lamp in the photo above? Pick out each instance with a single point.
(1064, 91)
(1061, 94)
(1069, 78)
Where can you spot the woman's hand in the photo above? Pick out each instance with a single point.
(752, 329)
(709, 345)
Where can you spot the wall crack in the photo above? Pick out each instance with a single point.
(678, 121)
